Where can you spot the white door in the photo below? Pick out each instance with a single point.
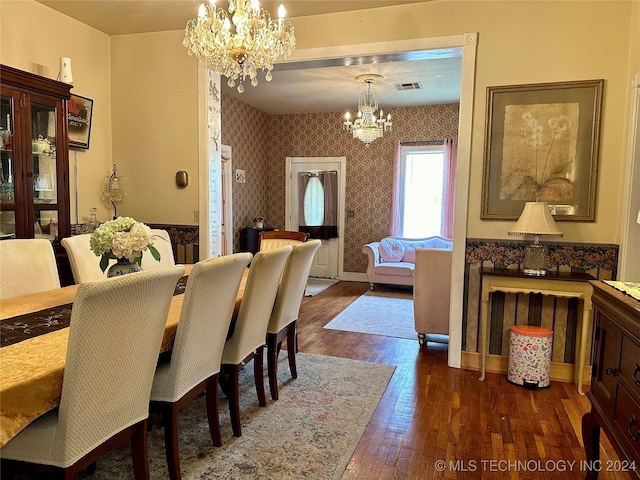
(328, 259)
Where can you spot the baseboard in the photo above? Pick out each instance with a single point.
(353, 277)
(560, 372)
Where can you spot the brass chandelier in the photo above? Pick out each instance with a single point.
(368, 126)
(239, 43)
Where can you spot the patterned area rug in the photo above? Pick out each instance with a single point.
(310, 432)
(383, 312)
(318, 285)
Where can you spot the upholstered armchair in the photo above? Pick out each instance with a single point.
(431, 292)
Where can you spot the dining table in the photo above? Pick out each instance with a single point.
(34, 331)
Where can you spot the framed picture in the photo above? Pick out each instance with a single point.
(541, 143)
(80, 111)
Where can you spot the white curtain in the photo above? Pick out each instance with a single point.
(318, 203)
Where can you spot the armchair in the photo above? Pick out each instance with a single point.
(431, 292)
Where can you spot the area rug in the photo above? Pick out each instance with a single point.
(388, 313)
(318, 285)
(310, 432)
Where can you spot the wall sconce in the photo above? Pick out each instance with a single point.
(182, 179)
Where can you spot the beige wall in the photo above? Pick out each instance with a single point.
(38, 50)
(154, 87)
(155, 127)
(634, 42)
(518, 42)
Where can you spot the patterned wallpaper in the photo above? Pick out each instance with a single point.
(244, 129)
(369, 169)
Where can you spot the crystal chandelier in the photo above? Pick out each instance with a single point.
(238, 43)
(367, 127)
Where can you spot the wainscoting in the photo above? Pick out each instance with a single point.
(184, 239)
(560, 315)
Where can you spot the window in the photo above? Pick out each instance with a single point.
(421, 191)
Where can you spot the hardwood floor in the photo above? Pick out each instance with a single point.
(431, 412)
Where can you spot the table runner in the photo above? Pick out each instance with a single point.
(19, 328)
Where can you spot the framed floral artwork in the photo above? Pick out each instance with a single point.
(541, 144)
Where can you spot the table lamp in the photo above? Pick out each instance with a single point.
(535, 220)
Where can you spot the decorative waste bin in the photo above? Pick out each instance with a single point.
(530, 356)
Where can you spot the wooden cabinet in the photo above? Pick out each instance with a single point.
(34, 158)
(615, 382)
(251, 239)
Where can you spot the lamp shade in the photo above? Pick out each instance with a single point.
(536, 219)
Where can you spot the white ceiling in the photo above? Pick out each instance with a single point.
(300, 87)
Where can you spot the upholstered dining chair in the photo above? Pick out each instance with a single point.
(27, 266)
(85, 265)
(250, 331)
(162, 243)
(208, 305)
(114, 339)
(284, 316)
(280, 238)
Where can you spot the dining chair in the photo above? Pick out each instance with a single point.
(27, 266)
(114, 339)
(85, 265)
(250, 331)
(208, 305)
(280, 238)
(162, 242)
(284, 317)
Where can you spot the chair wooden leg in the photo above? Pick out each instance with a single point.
(233, 393)
(212, 410)
(272, 364)
(258, 374)
(170, 422)
(91, 469)
(291, 348)
(139, 452)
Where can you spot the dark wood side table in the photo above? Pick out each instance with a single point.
(615, 381)
(557, 284)
(252, 238)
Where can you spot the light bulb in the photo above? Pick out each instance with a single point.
(347, 116)
(281, 11)
(202, 11)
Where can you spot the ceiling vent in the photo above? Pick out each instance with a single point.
(409, 86)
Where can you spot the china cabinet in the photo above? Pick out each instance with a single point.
(34, 166)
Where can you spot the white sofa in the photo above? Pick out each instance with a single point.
(395, 270)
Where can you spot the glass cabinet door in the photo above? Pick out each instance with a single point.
(44, 174)
(8, 207)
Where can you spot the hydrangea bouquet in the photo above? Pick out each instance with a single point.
(121, 238)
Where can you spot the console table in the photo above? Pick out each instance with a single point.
(615, 382)
(557, 284)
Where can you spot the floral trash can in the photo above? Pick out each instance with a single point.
(530, 356)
